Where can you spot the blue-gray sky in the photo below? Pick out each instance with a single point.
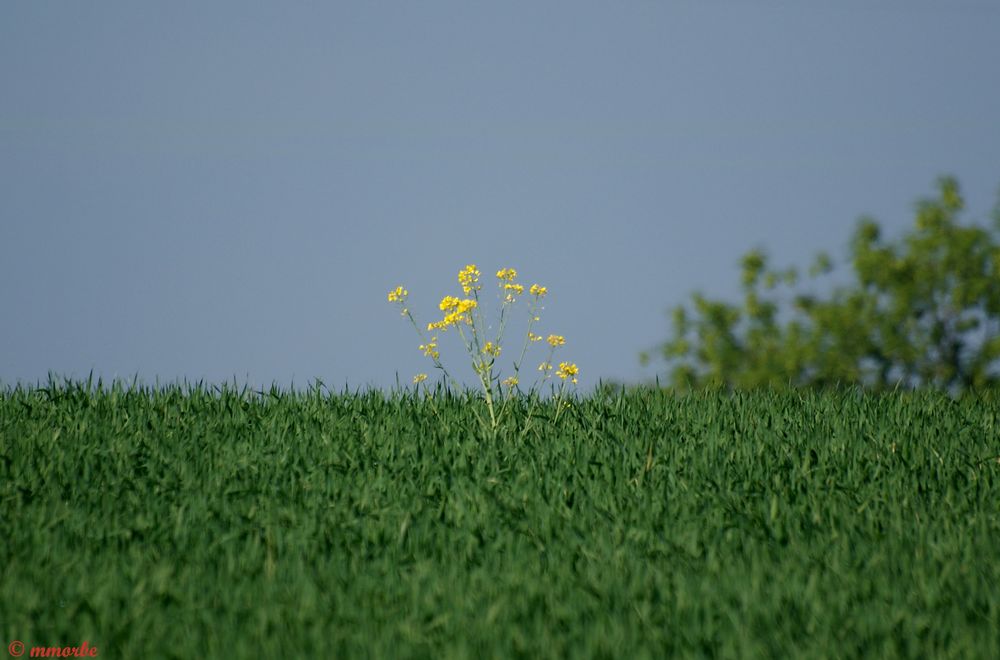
(210, 190)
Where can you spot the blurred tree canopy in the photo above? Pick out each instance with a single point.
(923, 311)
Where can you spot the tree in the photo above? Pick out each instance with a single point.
(923, 311)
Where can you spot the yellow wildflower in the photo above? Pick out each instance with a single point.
(419, 378)
(398, 294)
(533, 337)
(512, 291)
(445, 323)
(537, 291)
(567, 370)
(510, 382)
(491, 349)
(468, 277)
(556, 340)
(461, 313)
(545, 366)
(430, 349)
(506, 274)
(516, 288)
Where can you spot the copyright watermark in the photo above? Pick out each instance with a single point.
(85, 650)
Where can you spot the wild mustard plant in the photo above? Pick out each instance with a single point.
(466, 317)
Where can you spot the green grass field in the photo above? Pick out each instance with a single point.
(192, 522)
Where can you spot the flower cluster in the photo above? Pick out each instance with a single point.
(468, 277)
(430, 349)
(398, 294)
(466, 317)
(456, 311)
(567, 370)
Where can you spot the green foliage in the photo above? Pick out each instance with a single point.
(923, 311)
(224, 523)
